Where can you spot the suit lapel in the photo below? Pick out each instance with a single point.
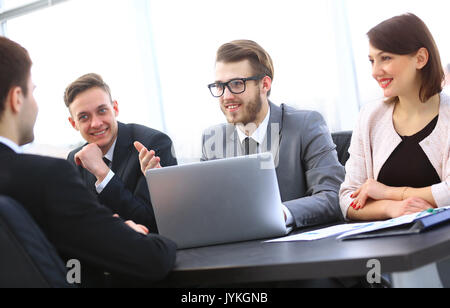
(272, 141)
(122, 150)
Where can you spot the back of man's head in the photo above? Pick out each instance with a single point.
(15, 68)
(82, 84)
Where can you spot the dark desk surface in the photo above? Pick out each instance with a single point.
(255, 261)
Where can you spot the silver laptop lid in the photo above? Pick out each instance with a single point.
(218, 201)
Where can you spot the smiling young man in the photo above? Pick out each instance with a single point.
(108, 163)
(308, 171)
(55, 197)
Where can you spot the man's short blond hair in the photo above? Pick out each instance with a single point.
(240, 50)
(84, 83)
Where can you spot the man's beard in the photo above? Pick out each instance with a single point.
(251, 110)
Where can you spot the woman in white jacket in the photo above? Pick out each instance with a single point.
(399, 154)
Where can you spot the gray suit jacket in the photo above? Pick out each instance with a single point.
(308, 171)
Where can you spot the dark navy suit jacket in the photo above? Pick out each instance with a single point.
(127, 193)
(76, 224)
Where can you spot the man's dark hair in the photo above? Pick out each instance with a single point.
(405, 35)
(15, 69)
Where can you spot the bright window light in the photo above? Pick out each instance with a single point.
(158, 57)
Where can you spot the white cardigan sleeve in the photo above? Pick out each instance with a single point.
(356, 166)
(441, 191)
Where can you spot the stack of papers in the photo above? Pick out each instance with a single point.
(378, 225)
(320, 234)
(346, 230)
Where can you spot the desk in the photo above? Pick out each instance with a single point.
(255, 261)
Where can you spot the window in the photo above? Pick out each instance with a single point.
(12, 4)
(300, 36)
(68, 40)
(144, 48)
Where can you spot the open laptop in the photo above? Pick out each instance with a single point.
(220, 201)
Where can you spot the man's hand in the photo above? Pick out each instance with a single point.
(91, 159)
(136, 227)
(147, 158)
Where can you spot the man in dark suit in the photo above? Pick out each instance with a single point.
(308, 171)
(55, 196)
(108, 163)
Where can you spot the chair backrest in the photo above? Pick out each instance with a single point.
(27, 259)
(342, 141)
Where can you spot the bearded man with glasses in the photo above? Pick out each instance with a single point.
(308, 171)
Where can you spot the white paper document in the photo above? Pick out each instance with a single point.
(320, 234)
(379, 225)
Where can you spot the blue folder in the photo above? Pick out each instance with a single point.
(441, 216)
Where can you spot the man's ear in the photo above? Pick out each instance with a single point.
(116, 108)
(422, 57)
(72, 122)
(266, 84)
(14, 99)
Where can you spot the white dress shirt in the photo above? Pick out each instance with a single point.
(12, 145)
(109, 155)
(259, 134)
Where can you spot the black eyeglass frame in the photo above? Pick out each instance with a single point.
(226, 84)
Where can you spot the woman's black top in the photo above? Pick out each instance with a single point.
(408, 165)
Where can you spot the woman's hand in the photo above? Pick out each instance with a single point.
(408, 206)
(370, 189)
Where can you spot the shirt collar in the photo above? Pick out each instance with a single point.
(260, 133)
(110, 154)
(12, 145)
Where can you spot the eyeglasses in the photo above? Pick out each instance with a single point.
(236, 86)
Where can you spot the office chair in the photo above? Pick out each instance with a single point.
(342, 141)
(27, 259)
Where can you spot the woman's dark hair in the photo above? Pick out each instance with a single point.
(405, 35)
